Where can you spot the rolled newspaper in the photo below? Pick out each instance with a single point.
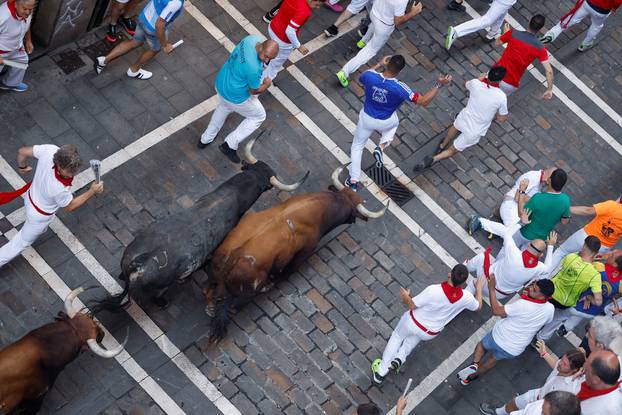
(96, 167)
(178, 43)
(410, 381)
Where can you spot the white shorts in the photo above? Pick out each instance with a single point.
(526, 398)
(464, 141)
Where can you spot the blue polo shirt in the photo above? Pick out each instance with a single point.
(383, 96)
(241, 72)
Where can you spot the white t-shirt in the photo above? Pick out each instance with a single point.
(534, 408)
(12, 30)
(484, 103)
(555, 382)
(534, 186)
(524, 319)
(609, 404)
(387, 10)
(434, 311)
(46, 191)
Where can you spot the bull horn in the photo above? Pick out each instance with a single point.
(335, 177)
(288, 187)
(71, 312)
(107, 354)
(247, 154)
(369, 213)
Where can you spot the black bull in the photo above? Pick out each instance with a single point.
(175, 246)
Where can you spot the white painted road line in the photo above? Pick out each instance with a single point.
(159, 396)
(138, 315)
(567, 101)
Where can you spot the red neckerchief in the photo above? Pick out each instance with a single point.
(489, 84)
(453, 293)
(487, 261)
(533, 300)
(613, 273)
(11, 5)
(529, 259)
(541, 176)
(586, 392)
(6, 197)
(570, 14)
(64, 181)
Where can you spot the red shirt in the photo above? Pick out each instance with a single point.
(292, 13)
(606, 4)
(523, 48)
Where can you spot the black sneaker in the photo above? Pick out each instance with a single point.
(378, 157)
(229, 152)
(128, 24)
(268, 17)
(561, 331)
(396, 364)
(427, 162)
(457, 7)
(331, 31)
(111, 35)
(353, 186)
(474, 224)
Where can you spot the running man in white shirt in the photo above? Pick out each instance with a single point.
(513, 268)
(428, 313)
(385, 16)
(493, 19)
(487, 102)
(562, 378)
(554, 403)
(509, 337)
(49, 191)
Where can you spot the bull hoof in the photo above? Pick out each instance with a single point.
(209, 311)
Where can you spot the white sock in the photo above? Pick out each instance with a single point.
(502, 411)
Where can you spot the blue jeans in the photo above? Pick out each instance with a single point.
(144, 36)
(489, 344)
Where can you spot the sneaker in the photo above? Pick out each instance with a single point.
(375, 366)
(468, 380)
(360, 44)
(229, 152)
(365, 22)
(331, 31)
(466, 373)
(268, 17)
(474, 224)
(337, 8)
(457, 7)
(547, 38)
(491, 35)
(141, 74)
(396, 364)
(128, 24)
(352, 185)
(427, 162)
(21, 87)
(343, 79)
(100, 64)
(111, 35)
(585, 46)
(451, 36)
(487, 409)
(561, 331)
(378, 157)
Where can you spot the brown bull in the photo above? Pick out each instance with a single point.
(269, 245)
(29, 367)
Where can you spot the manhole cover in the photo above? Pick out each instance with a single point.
(385, 180)
(68, 61)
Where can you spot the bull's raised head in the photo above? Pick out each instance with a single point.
(265, 173)
(356, 200)
(88, 329)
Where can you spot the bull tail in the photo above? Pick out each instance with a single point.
(113, 303)
(220, 321)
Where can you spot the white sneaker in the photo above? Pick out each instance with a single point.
(100, 64)
(491, 35)
(140, 74)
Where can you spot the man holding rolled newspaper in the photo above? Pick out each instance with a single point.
(15, 43)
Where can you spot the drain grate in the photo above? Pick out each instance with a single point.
(68, 61)
(383, 178)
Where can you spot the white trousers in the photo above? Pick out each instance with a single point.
(276, 64)
(509, 212)
(364, 129)
(403, 340)
(35, 225)
(575, 318)
(378, 33)
(475, 266)
(252, 111)
(561, 315)
(597, 24)
(573, 244)
(11, 76)
(492, 19)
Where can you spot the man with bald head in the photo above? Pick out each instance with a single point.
(238, 83)
(512, 267)
(600, 392)
(15, 42)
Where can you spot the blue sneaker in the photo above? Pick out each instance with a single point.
(378, 157)
(353, 186)
(22, 87)
(474, 224)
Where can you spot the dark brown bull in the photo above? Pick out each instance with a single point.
(29, 367)
(269, 245)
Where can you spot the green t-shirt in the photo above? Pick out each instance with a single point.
(547, 209)
(574, 277)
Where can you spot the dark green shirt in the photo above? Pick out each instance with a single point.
(547, 209)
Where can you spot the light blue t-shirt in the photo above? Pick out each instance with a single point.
(383, 95)
(241, 72)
